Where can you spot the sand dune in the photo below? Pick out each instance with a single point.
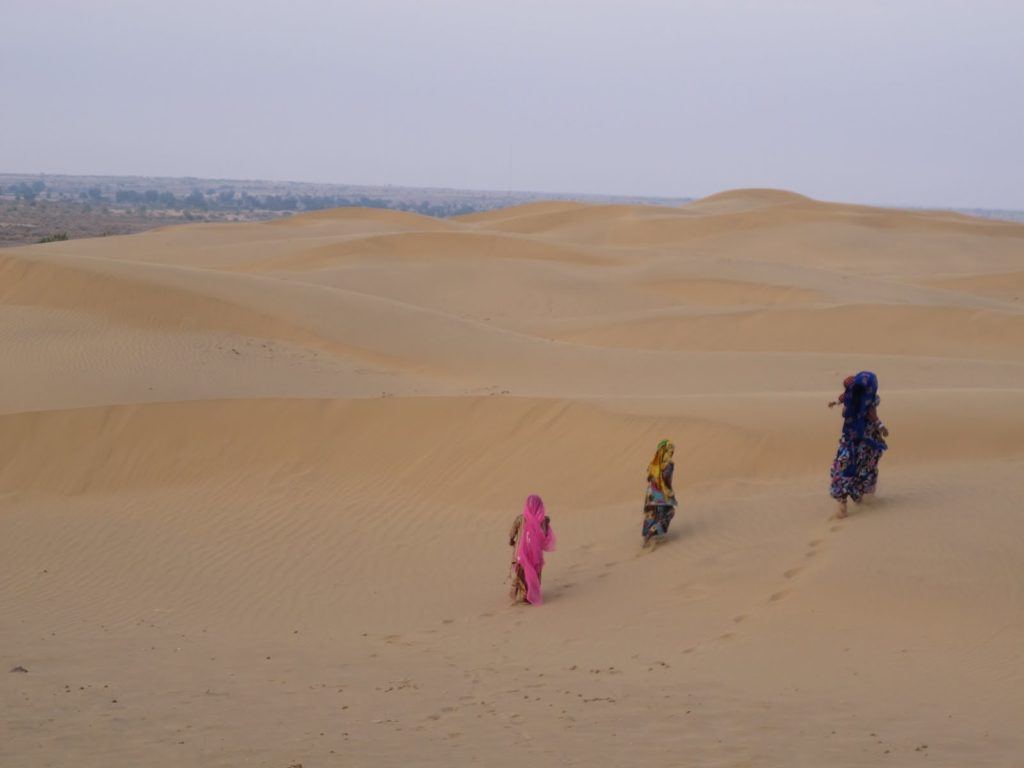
(413, 247)
(1007, 286)
(743, 200)
(890, 330)
(255, 482)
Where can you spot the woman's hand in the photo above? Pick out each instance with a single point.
(833, 403)
(885, 431)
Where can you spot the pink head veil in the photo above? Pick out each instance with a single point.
(534, 540)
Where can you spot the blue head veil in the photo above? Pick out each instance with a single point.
(859, 398)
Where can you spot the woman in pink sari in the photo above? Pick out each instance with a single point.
(531, 535)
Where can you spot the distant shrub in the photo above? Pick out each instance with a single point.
(60, 236)
(127, 196)
(23, 191)
(195, 199)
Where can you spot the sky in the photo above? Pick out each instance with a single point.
(903, 102)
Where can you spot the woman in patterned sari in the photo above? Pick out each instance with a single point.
(659, 498)
(862, 442)
(531, 536)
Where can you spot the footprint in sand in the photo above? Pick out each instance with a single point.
(791, 572)
(779, 595)
(835, 528)
(727, 636)
(815, 542)
(739, 618)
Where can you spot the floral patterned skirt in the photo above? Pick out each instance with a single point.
(657, 519)
(863, 479)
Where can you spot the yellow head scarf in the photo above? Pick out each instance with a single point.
(658, 465)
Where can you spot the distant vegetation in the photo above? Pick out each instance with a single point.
(229, 200)
(33, 206)
(55, 238)
(25, 191)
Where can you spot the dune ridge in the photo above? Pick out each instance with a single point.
(255, 482)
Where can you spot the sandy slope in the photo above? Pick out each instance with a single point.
(255, 482)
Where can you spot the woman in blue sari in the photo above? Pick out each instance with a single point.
(862, 442)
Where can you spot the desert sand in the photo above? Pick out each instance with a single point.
(256, 481)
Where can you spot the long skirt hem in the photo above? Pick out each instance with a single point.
(855, 468)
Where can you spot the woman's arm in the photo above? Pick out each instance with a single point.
(513, 534)
(838, 401)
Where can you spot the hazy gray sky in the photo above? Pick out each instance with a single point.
(889, 101)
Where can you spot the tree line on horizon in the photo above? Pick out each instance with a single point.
(225, 200)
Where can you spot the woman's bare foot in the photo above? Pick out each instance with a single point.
(841, 513)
